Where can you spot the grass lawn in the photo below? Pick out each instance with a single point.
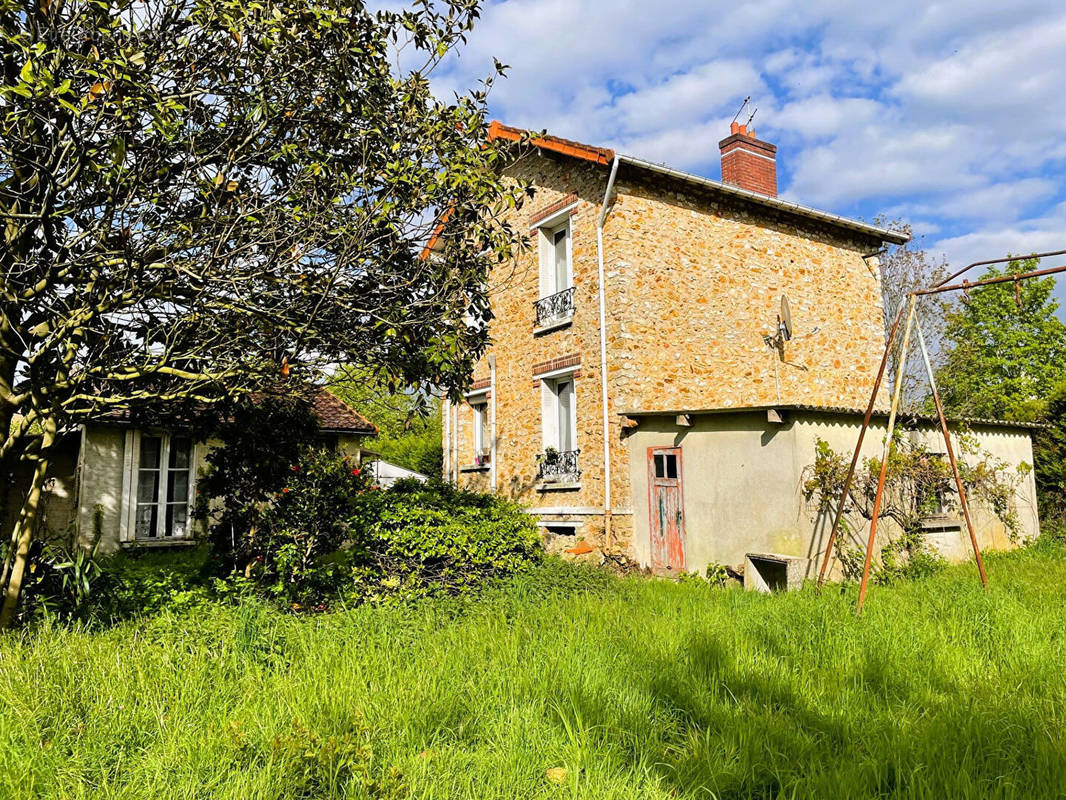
(566, 683)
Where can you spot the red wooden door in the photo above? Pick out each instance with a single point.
(667, 509)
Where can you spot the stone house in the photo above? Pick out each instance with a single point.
(129, 485)
(639, 393)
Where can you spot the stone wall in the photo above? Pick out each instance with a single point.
(521, 353)
(693, 285)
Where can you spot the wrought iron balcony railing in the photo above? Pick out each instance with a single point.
(554, 308)
(554, 466)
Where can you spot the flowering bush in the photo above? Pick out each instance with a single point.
(309, 533)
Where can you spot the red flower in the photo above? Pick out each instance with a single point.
(355, 471)
(295, 467)
(286, 490)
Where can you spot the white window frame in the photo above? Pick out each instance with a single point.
(130, 472)
(548, 229)
(549, 393)
(480, 407)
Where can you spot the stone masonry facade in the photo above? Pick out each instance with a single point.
(693, 284)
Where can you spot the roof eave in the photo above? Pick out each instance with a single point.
(585, 152)
(884, 234)
(812, 409)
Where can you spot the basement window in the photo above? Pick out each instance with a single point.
(560, 530)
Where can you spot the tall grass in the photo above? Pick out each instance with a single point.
(634, 688)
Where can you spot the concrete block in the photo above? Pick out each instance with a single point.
(771, 572)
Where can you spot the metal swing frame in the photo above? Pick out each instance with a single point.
(913, 325)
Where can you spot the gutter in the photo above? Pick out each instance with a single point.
(771, 202)
(603, 354)
(641, 413)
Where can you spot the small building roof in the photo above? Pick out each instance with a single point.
(839, 410)
(334, 415)
(604, 156)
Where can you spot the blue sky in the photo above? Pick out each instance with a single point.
(949, 115)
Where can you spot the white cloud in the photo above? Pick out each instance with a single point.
(1041, 234)
(951, 113)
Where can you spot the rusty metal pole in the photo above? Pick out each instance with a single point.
(951, 457)
(887, 451)
(968, 267)
(858, 447)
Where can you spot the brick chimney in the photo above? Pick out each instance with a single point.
(748, 162)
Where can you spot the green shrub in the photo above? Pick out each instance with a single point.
(326, 534)
(429, 538)
(76, 584)
(305, 541)
(908, 557)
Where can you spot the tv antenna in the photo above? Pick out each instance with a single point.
(745, 107)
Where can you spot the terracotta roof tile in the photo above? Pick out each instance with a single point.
(336, 415)
(568, 147)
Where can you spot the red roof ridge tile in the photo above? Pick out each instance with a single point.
(587, 152)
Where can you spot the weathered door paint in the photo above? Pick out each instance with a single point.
(667, 509)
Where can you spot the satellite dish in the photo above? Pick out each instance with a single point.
(784, 319)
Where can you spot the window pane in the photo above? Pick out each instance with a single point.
(147, 486)
(180, 448)
(150, 449)
(565, 391)
(559, 243)
(486, 433)
(145, 521)
(671, 466)
(177, 519)
(660, 468)
(178, 487)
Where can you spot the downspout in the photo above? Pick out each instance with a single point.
(455, 441)
(492, 422)
(603, 358)
(446, 418)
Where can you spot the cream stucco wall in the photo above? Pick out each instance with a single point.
(101, 482)
(101, 479)
(742, 484)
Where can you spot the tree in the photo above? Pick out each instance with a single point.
(1005, 349)
(1049, 456)
(409, 423)
(906, 268)
(201, 197)
(260, 440)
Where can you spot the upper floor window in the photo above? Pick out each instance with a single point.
(556, 270)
